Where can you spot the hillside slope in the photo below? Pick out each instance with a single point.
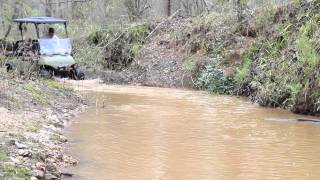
(271, 56)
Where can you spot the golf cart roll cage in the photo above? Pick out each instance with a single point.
(40, 20)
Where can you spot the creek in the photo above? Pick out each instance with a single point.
(142, 133)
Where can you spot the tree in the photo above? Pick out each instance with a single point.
(136, 8)
(15, 14)
(169, 7)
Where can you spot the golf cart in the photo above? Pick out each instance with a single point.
(48, 56)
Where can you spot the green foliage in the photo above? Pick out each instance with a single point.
(54, 84)
(32, 127)
(2, 58)
(3, 154)
(265, 16)
(190, 64)
(244, 71)
(307, 50)
(135, 49)
(36, 94)
(281, 69)
(138, 33)
(86, 54)
(137, 37)
(295, 88)
(212, 50)
(16, 172)
(113, 48)
(212, 79)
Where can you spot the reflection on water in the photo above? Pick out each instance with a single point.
(150, 133)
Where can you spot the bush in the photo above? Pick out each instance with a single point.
(212, 78)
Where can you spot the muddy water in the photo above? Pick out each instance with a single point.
(149, 133)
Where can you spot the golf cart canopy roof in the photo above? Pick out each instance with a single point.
(41, 20)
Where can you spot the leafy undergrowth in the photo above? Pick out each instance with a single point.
(282, 68)
(276, 63)
(113, 48)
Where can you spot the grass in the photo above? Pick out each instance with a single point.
(16, 172)
(58, 86)
(212, 78)
(3, 154)
(36, 94)
(307, 50)
(32, 127)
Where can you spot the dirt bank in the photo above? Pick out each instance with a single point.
(33, 114)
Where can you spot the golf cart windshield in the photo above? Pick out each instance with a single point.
(55, 46)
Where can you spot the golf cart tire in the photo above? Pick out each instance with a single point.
(9, 67)
(78, 74)
(46, 73)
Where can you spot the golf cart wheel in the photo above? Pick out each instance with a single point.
(9, 66)
(78, 74)
(46, 73)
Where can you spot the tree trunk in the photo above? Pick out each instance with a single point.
(48, 8)
(169, 8)
(14, 16)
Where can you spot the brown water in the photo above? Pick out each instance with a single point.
(153, 134)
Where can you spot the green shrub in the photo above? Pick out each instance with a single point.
(307, 50)
(212, 79)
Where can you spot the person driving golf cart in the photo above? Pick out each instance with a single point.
(52, 55)
(51, 34)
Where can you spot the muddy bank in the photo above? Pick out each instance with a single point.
(33, 114)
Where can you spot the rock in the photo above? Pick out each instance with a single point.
(51, 160)
(51, 167)
(69, 160)
(24, 153)
(20, 146)
(51, 177)
(67, 175)
(15, 160)
(11, 142)
(33, 178)
(63, 139)
(38, 174)
(41, 166)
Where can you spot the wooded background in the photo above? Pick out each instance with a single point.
(93, 13)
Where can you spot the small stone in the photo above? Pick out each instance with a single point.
(38, 174)
(67, 175)
(12, 142)
(58, 125)
(33, 178)
(51, 177)
(15, 160)
(24, 153)
(21, 146)
(40, 166)
(63, 139)
(51, 167)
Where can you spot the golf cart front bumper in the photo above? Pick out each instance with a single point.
(58, 62)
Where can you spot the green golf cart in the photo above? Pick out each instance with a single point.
(48, 56)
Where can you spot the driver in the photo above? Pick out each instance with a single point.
(51, 34)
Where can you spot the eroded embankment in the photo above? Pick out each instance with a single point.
(33, 114)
